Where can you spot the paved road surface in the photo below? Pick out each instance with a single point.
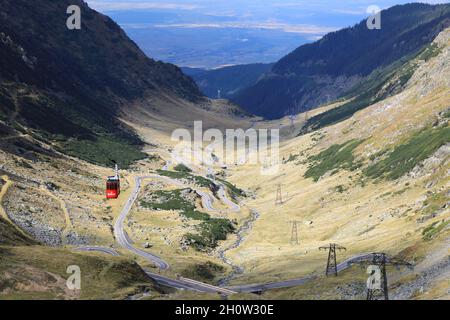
(223, 196)
(188, 284)
(98, 249)
(251, 288)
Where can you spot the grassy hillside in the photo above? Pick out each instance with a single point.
(209, 230)
(378, 86)
(9, 235)
(332, 159)
(405, 157)
(31, 271)
(40, 273)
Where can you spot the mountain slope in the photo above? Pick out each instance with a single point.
(69, 86)
(376, 87)
(328, 68)
(29, 270)
(229, 80)
(376, 182)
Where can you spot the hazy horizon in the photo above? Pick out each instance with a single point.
(211, 34)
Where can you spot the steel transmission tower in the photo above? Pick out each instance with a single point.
(331, 264)
(293, 114)
(279, 198)
(292, 118)
(294, 232)
(380, 260)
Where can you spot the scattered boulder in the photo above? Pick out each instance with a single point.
(51, 186)
(147, 245)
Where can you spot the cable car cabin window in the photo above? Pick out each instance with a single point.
(112, 185)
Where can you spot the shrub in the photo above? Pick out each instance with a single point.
(338, 156)
(406, 156)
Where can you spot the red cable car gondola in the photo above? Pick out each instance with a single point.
(113, 185)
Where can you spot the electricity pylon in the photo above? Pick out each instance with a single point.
(294, 110)
(294, 232)
(292, 118)
(378, 287)
(279, 198)
(331, 264)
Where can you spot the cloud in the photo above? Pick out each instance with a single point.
(351, 12)
(314, 38)
(299, 4)
(142, 5)
(293, 28)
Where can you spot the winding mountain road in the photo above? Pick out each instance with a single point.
(119, 231)
(121, 236)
